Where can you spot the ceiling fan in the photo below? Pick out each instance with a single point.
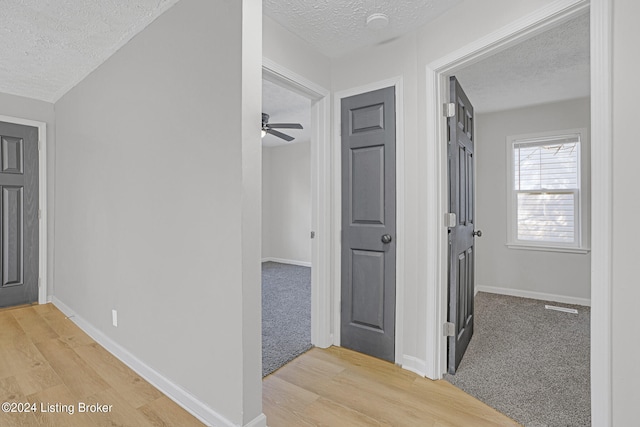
(270, 128)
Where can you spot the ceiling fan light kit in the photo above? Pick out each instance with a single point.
(270, 128)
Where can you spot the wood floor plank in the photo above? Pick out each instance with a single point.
(18, 354)
(120, 413)
(362, 390)
(9, 327)
(163, 412)
(64, 412)
(308, 373)
(37, 379)
(10, 392)
(76, 374)
(326, 412)
(68, 331)
(36, 328)
(130, 385)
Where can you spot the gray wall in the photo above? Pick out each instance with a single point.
(626, 205)
(554, 273)
(31, 109)
(286, 202)
(150, 184)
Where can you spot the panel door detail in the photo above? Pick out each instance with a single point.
(461, 236)
(368, 286)
(18, 214)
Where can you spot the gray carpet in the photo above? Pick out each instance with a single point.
(529, 363)
(286, 314)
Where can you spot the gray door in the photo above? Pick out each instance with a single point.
(461, 236)
(18, 214)
(369, 223)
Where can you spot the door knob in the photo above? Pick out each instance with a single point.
(386, 238)
(478, 233)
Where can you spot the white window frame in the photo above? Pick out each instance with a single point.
(581, 195)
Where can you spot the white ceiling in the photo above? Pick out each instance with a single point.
(50, 46)
(550, 67)
(285, 106)
(338, 27)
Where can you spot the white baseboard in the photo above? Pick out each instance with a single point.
(176, 393)
(259, 421)
(415, 365)
(287, 261)
(534, 295)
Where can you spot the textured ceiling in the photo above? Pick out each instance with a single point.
(285, 106)
(48, 46)
(336, 27)
(552, 66)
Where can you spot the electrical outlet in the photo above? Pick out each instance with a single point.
(114, 317)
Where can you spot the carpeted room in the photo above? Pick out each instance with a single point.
(286, 227)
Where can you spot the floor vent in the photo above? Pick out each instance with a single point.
(563, 309)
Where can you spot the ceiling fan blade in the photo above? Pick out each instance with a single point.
(280, 135)
(286, 125)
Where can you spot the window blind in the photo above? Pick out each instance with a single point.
(546, 185)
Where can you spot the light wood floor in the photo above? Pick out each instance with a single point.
(46, 359)
(339, 387)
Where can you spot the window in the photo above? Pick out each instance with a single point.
(545, 179)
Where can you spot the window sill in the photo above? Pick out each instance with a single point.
(571, 250)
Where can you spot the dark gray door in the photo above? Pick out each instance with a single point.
(369, 223)
(461, 236)
(18, 214)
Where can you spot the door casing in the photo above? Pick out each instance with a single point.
(437, 74)
(42, 200)
(396, 82)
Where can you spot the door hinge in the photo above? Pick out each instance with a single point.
(449, 329)
(313, 234)
(450, 220)
(449, 109)
(39, 283)
(39, 213)
(39, 145)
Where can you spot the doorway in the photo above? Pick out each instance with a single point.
(313, 233)
(601, 176)
(286, 226)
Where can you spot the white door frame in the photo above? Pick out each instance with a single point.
(320, 200)
(42, 200)
(437, 73)
(400, 207)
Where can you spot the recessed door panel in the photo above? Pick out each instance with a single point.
(369, 118)
(12, 256)
(367, 180)
(12, 155)
(367, 287)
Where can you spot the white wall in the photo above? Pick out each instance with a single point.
(31, 109)
(155, 202)
(286, 203)
(626, 205)
(290, 51)
(566, 275)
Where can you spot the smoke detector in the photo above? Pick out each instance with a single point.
(377, 21)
